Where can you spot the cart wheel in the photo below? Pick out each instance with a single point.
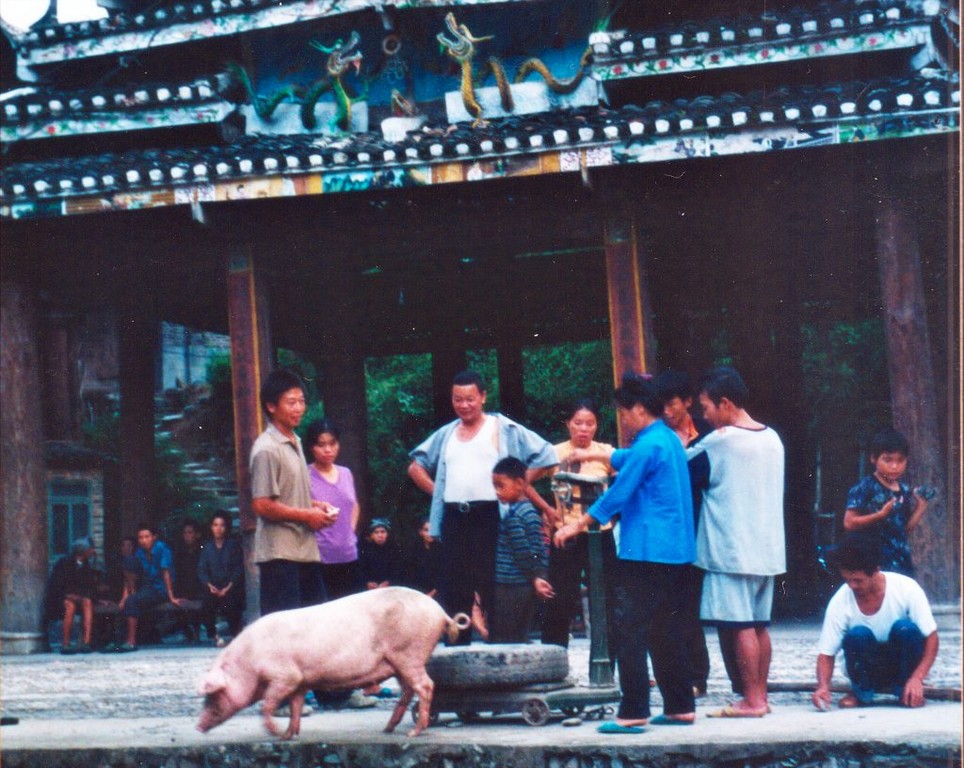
(535, 712)
(432, 714)
(573, 711)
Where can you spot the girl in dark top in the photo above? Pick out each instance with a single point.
(221, 572)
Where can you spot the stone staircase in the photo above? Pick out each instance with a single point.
(181, 417)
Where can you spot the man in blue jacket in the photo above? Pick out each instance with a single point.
(656, 543)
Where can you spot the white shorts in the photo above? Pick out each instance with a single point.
(736, 600)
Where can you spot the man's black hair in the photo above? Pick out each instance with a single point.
(467, 378)
(279, 381)
(857, 552)
(142, 526)
(889, 440)
(190, 522)
(510, 466)
(724, 381)
(639, 390)
(672, 384)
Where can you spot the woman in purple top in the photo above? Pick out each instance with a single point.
(338, 543)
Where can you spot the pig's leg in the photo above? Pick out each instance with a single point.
(399, 712)
(273, 696)
(296, 703)
(419, 682)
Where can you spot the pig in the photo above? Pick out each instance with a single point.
(347, 643)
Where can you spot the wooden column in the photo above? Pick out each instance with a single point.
(630, 312)
(913, 392)
(511, 381)
(343, 392)
(252, 359)
(23, 498)
(137, 342)
(61, 391)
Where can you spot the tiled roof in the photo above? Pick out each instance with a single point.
(548, 143)
(829, 29)
(169, 22)
(41, 112)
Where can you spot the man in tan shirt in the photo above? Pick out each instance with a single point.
(284, 543)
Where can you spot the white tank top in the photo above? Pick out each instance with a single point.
(468, 473)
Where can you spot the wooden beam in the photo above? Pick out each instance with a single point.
(251, 360)
(630, 312)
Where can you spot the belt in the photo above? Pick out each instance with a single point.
(468, 506)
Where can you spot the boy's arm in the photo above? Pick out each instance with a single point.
(170, 588)
(855, 521)
(919, 509)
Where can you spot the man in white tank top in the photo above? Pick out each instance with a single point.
(454, 465)
(740, 541)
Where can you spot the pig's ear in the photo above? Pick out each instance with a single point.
(213, 682)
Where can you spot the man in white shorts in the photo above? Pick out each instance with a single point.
(740, 542)
(884, 625)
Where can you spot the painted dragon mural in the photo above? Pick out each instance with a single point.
(342, 56)
(461, 47)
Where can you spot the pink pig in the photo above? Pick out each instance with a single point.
(347, 643)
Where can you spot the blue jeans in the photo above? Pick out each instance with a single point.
(875, 667)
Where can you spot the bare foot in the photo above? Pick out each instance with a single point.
(631, 723)
(849, 701)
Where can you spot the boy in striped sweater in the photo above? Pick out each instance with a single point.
(521, 559)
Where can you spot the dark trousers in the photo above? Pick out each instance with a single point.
(648, 617)
(566, 568)
(231, 606)
(342, 579)
(875, 667)
(512, 612)
(468, 559)
(693, 636)
(286, 584)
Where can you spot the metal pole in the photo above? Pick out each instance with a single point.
(590, 489)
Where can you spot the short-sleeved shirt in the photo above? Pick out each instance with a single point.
(151, 569)
(866, 498)
(903, 599)
(337, 543)
(741, 527)
(570, 514)
(279, 472)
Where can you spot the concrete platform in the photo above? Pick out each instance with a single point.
(139, 710)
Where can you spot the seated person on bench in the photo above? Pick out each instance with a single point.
(71, 587)
(155, 588)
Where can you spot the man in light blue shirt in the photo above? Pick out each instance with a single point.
(651, 495)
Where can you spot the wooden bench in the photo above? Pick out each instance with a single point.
(163, 616)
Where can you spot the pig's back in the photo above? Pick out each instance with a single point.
(378, 621)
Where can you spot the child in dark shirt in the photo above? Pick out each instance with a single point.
(521, 558)
(882, 506)
(426, 567)
(378, 560)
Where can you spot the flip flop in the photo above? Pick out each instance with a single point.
(664, 720)
(612, 728)
(733, 712)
